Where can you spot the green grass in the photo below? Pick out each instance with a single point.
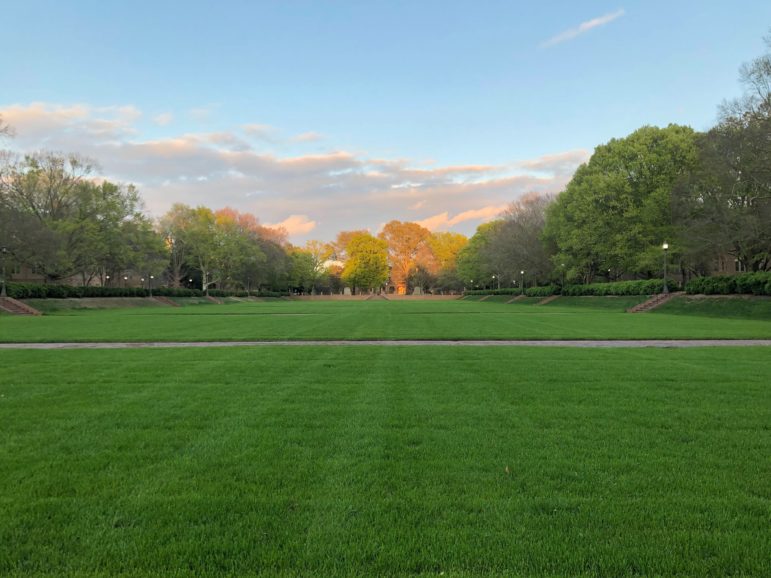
(304, 320)
(49, 306)
(744, 307)
(380, 461)
(609, 303)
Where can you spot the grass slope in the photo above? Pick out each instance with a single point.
(375, 320)
(744, 307)
(385, 461)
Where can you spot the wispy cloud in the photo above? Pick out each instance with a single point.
(571, 33)
(444, 221)
(295, 225)
(309, 136)
(163, 119)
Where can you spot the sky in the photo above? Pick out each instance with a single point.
(322, 116)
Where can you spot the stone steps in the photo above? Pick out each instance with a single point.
(166, 301)
(16, 307)
(548, 299)
(655, 301)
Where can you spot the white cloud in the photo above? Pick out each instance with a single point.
(564, 163)
(444, 221)
(341, 189)
(582, 28)
(295, 225)
(260, 131)
(309, 136)
(163, 119)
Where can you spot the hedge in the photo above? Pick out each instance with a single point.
(642, 287)
(39, 291)
(544, 291)
(745, 283)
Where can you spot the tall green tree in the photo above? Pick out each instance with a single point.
(616, 211)
(366, 267)
(62, 222)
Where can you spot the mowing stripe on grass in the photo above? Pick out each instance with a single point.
(659, 343)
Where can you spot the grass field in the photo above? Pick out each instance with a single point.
(385, 461)
(568, 318)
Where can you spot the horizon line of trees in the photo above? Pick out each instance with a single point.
(708, 195)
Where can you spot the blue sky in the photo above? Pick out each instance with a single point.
(348, 114)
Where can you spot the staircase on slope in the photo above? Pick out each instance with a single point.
(166, 301)
(16, 307)
(377, 296)
(548, 299)
(653, 302)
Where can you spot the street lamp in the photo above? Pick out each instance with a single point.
(522, 291)
(106, 280)
(499, 283)
(3, 292)
(665, 246)
(150, 284)
(125, 280)
(562, 288)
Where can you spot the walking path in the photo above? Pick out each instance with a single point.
(661, 343)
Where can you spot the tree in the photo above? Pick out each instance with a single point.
(407, 244)
(517, 243)
(5, 129)
(476, 263)
(64, 223)
(367, 263)
(724, 204)
(314, 262)
(616, 211)
(340, 245)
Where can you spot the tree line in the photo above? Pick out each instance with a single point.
(708, 195)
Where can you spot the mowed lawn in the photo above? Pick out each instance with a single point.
(576, 318)
(385, 461)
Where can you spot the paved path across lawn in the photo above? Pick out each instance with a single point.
(661, 343)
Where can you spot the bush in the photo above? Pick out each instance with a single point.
(545, 291)
(39, 291)
(745, 283)
(641, 287)
(269, 293)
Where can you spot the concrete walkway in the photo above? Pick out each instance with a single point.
(660, 343)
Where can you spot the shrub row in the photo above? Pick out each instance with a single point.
(36, 291)
(544, 291)
(745, 283)
(504, 291)
(39, 291)
(642, 287)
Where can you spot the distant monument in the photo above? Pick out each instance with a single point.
(418, 290)
(347, 291)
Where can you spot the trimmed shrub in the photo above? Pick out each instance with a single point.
(545, 291)
(641, 287)
(758, 283)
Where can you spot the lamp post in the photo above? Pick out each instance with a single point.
(3, 292)
(499, 283)
(106, 280)
(125, 281)
(665, 246)
(522, 286)
(562, 287)
(150, 284)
